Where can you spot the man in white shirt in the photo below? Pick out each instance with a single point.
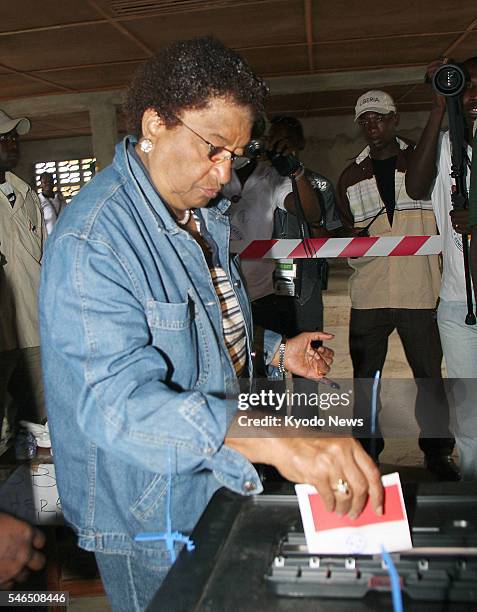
(430, 171)
(51, 201)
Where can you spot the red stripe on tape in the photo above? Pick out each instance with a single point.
(257, 249)
(313, 245)
(358, 246)
(409, 245)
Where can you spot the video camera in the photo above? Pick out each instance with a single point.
(283, 164)
(450, 79)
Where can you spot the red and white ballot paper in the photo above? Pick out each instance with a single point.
(328, 533)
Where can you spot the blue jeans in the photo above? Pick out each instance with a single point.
(130, 580)
(459, 344)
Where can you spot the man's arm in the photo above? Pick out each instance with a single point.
(422, 169)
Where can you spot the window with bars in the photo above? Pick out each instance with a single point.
(70, 175)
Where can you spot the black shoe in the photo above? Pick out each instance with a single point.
(443, 467)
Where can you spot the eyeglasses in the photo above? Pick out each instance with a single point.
(376, 119)
(217, 155)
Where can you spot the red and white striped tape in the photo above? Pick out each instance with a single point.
(374, 246)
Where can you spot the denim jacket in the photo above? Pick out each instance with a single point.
(135, 364)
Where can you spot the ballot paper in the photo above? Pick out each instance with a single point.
(328, 533)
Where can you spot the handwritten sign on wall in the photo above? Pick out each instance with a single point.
(30, 493)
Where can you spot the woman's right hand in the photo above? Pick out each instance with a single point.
(319, 461)
(323, 462)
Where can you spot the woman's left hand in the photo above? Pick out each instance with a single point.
(303, 359)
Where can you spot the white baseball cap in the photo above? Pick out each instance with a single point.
(7, 124)
(374, 101)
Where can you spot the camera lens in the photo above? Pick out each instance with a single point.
(255, 148)
(449, 80)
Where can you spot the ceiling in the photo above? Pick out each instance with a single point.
(75, 46)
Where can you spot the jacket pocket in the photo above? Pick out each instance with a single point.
(174, 335)
(149, 500)
(172, 316)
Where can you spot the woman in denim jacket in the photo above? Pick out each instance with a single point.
(145, 324)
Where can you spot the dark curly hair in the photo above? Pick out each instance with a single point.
(186, 75)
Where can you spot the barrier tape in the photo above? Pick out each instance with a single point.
(373, 246)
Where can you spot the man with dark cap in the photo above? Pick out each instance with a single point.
(389, 293)
(21, 247)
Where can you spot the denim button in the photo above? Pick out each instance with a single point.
(209, 451)
(249, 485)
(237, 283)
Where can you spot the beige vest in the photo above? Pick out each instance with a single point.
(22, 237)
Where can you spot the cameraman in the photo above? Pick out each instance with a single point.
(429, 173)
(256, 190)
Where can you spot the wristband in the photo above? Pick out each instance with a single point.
(281, 356)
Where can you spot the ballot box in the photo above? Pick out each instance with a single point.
(251, 556)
